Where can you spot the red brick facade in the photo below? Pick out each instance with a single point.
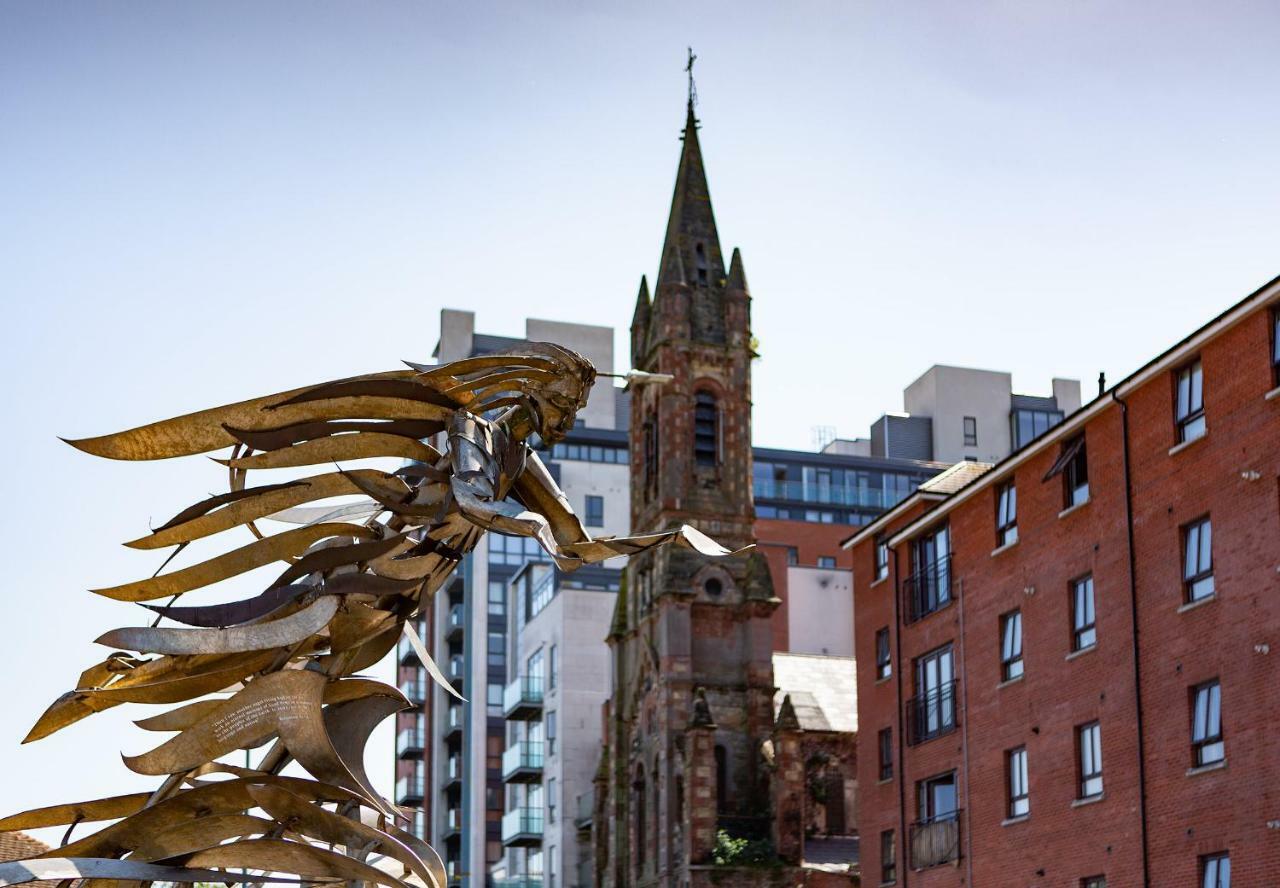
(810, 541)
(1158, 815)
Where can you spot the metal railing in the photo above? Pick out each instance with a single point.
(524, 755)
(416, 691)
(827, 494)
(410, 789)
(935, 842)
(525, 691)
(521, 823)
(932, 713)
(456, 620)
(927, 590)
(410, 742)
(586, 808)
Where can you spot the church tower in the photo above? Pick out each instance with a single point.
(693, 678)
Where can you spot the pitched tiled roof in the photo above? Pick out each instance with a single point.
(18, 846)
(957, 476)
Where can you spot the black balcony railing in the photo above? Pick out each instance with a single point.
(935, 842)
(931, 714)
(927, 590)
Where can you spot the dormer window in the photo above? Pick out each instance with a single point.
(700, 263)
(706, 429)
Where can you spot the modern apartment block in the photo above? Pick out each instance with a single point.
(449, 753)
(961, 413)
(1071, 674)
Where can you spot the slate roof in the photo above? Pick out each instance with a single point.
(823, 690)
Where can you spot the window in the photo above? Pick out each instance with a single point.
(551, 733)
(1275, 345)
(1090, 751)
(553, 667)
(706, 433)
(493, 697)
(1197, 560)
(970, 431)
(929, 586)
(882, 557)
(1206, 724)
(650, 463)
(1073, 465)
(793, 556)
(888, 858)
(827, 561)
(1093, 882)
(497, 652)
(1189, 398)
(885, 739)
(1011, 645)
(551, 800)
(1019, 797)
(722, 777)
(937, 798)
(932, 711)
(594, 511)
(1027, 424)
(497, 598)
(884, 664)
(533, 670)
(1083, 621)
(1215, 870)
(1007, 515)
(700, 263)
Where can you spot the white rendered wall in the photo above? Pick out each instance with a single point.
(948, 394)
(820, 611)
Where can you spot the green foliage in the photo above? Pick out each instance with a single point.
(730, 851)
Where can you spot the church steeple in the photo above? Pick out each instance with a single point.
(691, 227)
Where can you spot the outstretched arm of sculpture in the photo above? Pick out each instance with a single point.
(545, 514)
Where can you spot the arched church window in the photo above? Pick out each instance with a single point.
(641, 819)
(722, 778)
(706, 429)
(701, 264)
(650, 467)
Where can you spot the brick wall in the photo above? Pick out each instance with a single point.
(1134, 674)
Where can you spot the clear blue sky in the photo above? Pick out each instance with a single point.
(205, 201)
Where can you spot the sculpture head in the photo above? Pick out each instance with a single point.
(547, 384)
(555, 402)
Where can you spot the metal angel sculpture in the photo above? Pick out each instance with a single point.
(357, 574)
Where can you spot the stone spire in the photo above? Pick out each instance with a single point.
(691, 227)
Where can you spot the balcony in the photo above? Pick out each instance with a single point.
(532, 881)
(453, 723)
(452, 823)
(927, 590)
(523, 697)
(410, 790)
(522, 763)
(410, 743)
(931, 714)
(825, 493)
(935, 842)
(586, 809)
(453, 771)
(455, 622)
(416, 691)
(456, 669)
(406, 654)
(522, 827)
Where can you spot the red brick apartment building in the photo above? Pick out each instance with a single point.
(1070, 660)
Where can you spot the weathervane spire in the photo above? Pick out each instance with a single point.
(693, 89)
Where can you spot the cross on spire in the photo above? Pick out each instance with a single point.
(693, 89)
